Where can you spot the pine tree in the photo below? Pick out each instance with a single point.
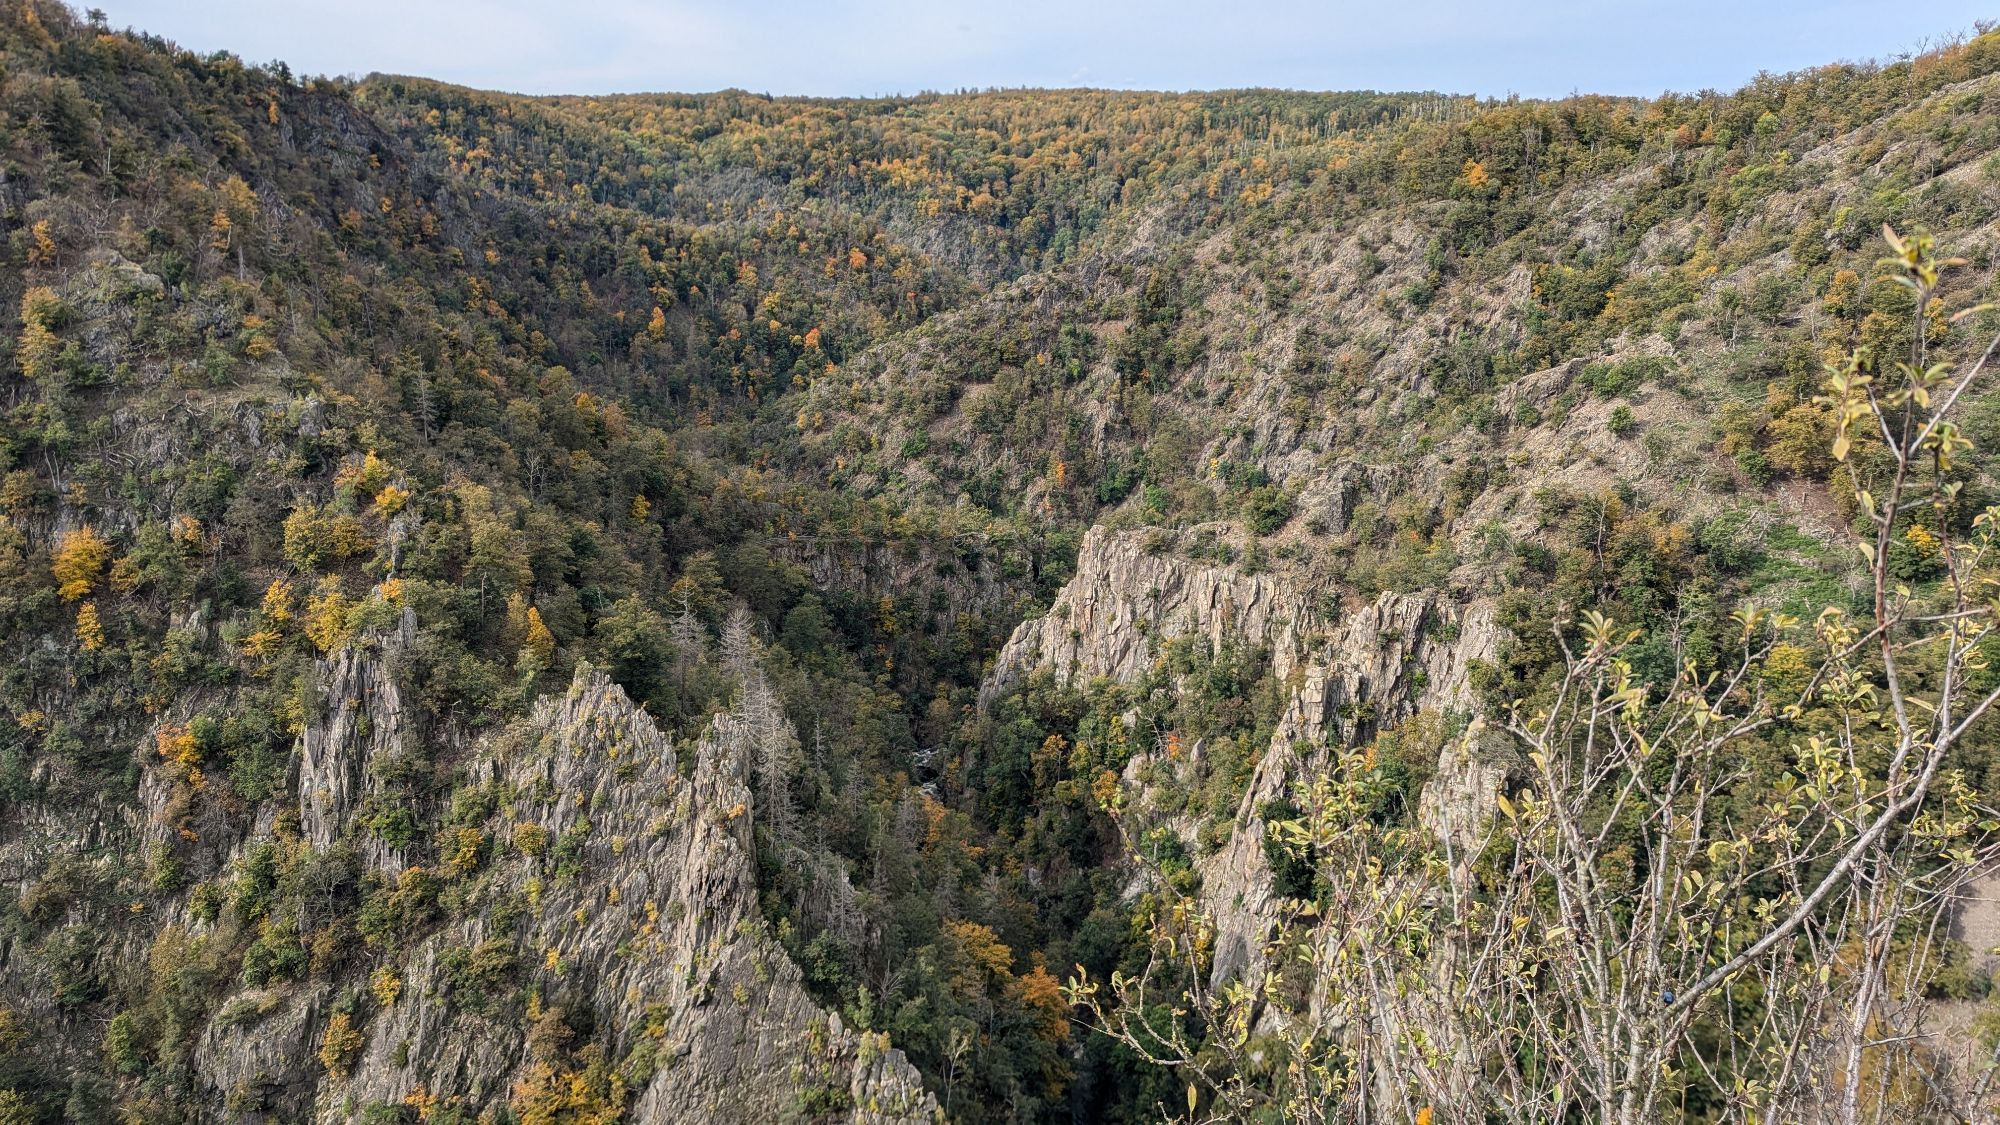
(690, 643)
(739, 646)
(775, 758)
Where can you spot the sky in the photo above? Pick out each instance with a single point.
(1494, 48)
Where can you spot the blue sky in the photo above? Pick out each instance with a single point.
(1496, 47)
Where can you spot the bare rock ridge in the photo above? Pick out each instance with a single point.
(1129, 592)
(362, 727)
(607, 872)
(1395, 656)
(1402, 654)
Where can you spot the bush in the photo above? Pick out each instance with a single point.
(478, 979)
(1266, 509)
(341, 1045)
(276, 955)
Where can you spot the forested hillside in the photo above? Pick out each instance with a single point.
(720, 607)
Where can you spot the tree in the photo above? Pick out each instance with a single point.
(739, 651)
(689, 642)
(78, 562)
(498, 554)
(538, 645)
(634, 642)
(340, 1045)
(774, 757)
(1266, 509)
(39, 349)
(89, 630)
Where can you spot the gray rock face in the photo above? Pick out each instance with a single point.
(1127, 596)
(1384, 664)
(1403, 653)
(114, 277)
(1332, 499)
(612, 879)
(362, 725)
(962, 581)
(1457, 805)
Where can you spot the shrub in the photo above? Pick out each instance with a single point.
(276, 955)
(1266, 509)
(386, 986)
(340, 1046)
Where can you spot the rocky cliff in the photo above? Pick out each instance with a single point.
(1346, 679)
(1399, 655)
(343, 755)
(600, 904)
(1133, 590)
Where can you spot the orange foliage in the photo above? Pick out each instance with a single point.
(79, 562)
(89, 632)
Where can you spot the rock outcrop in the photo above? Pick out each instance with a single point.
(361, 725)
(605, 873)
(1404, 653)
(1374, 667)
(1457, 806)
(1131, 591)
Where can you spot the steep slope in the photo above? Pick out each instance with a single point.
(1435, 356)
(1342, 680)
(613, 879)
(600, 870)
(256, 294)
(405, 487)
